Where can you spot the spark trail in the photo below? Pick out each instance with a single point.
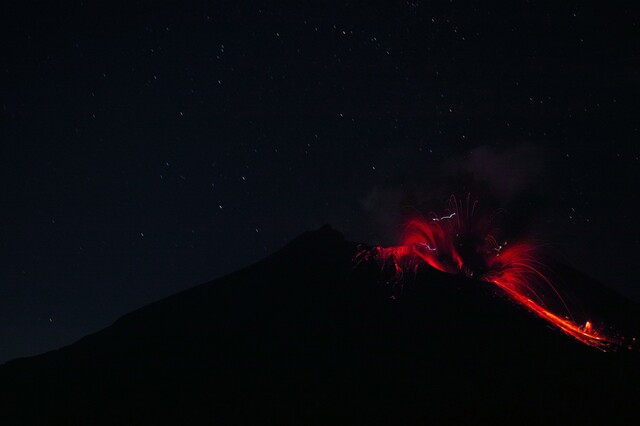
(463, 242)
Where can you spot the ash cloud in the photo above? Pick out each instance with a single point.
(510, 178)
(505, 173)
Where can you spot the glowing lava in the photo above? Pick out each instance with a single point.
(462, 242)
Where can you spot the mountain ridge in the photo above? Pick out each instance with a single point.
(305, 335)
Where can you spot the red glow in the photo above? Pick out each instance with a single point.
(461, 242)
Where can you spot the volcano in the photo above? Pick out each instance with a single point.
(308, 336)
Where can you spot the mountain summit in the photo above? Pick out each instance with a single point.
(308, 336)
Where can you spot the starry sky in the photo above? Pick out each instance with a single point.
(145, 149)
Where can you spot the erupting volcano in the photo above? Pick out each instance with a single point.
(303, 336)
(463, 241)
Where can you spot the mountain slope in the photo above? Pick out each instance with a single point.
(304, 337)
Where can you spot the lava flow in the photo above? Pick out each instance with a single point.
(463, 242)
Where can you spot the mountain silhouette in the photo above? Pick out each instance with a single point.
(307, 337)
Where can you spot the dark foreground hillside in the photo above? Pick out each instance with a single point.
(304, 338)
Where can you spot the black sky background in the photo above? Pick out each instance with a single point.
(148, 148)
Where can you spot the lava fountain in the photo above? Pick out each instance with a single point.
(465, 242)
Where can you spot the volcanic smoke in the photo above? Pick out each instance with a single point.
(464, 242)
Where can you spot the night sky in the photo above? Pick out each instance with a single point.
(147, 149)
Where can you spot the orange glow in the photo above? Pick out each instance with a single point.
(460, 242)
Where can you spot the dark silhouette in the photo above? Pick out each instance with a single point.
(304, 337)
